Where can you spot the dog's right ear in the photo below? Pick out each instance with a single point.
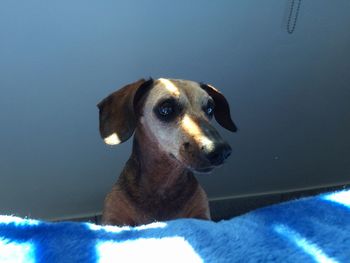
(117, 112)
(222, 108)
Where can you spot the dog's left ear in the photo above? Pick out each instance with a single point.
(222, 108)
(117, 112)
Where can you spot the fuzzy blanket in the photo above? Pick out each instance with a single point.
(313, 229)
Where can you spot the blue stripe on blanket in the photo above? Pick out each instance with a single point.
(313, 229)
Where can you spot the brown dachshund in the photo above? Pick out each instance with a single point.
(173, 140)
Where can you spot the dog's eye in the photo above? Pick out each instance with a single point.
(209, 109)
(166, 110)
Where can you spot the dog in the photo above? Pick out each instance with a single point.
(173, 140)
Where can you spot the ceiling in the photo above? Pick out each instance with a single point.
(289, 93)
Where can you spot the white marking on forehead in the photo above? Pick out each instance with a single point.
(112, 139)
(192, 128)
(170, 86)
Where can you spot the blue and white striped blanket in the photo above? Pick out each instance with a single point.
(313, 229)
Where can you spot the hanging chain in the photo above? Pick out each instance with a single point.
(291, 24)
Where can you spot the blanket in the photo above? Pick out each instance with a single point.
(315, 229)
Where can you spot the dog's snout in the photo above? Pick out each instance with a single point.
(219, 153)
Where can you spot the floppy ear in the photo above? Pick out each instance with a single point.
(222, 108)
(117, 114)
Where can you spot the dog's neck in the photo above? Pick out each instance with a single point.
(157, 171)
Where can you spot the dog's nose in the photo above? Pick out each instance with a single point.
(219, 153)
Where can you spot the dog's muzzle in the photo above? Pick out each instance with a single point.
(218, 150)
(218, 154)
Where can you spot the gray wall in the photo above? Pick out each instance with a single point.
(289, 94)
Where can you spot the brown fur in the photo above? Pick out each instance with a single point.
(156, 184)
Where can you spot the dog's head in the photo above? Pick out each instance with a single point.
(176, 114)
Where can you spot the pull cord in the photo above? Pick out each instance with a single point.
(292, 20)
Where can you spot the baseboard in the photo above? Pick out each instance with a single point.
(226, 208)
